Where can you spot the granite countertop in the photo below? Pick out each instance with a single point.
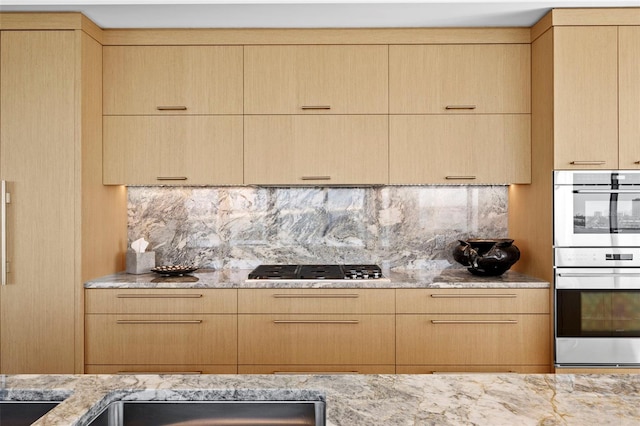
(236, 278)
(481, 399)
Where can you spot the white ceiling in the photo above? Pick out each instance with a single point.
(306, 13)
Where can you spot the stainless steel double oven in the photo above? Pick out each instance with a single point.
(596, 237)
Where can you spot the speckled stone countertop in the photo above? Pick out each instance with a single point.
(477, 399)
(237, 278)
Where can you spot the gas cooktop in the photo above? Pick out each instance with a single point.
(316, 272)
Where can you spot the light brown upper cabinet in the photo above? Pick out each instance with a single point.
(461, 149)
(172, 150)
(464, 79)
(326, 79)
(172, 80)
(585, 85)
(316, 149)
(629, 97)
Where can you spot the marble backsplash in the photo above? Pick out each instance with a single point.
(399, 227)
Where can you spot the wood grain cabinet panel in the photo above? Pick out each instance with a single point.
(161, 339)
(469, 149)
(458, 78)
(333, 150)
(316, 79)
(321, 301)
(169, 80)
(629, 97)
(497, 339)
(585, 84)
(316, 339)
(173, 150)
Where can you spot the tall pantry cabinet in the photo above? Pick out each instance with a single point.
(62, 226)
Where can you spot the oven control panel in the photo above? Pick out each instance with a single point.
(588, 257)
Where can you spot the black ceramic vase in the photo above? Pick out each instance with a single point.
(487, 257)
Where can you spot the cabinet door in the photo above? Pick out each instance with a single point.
(438, 79)
(37, 155)
(585, 97)
(316, 79)
(298, 150)
(472, 339)
(172, 80)
(460, 149)
(629, 95)
(172, 150)
(316, 339)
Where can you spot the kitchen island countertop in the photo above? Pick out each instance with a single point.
(237, 278)
(455, 399)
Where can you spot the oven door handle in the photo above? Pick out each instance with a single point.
(596, 275)
(606, 191)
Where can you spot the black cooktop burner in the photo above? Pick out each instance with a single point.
(316, 272)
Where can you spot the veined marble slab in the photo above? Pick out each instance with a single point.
(354, 400)
(237, 278)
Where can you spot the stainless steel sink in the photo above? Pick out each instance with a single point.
(212, 413)
(18, 413)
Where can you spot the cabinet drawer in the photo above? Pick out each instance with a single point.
(473, 339)
(316, 79)
(462, 79)
(160, 301)
(316, 369)
(316, 149)
(160, 339)
(194, 79)
(445, 369)
(150, 150)
(160, 369)
(472, 301)
(316, 339)
(316, 301)
(460, 149)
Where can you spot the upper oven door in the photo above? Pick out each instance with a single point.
(596, 208)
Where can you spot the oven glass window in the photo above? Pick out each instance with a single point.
(598, 313)
(606, 213)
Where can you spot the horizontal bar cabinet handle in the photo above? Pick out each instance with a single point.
(171, 178)
(159, 321)
(305, 107)
(315, 178)
(475, 296)
(158, 296)
(316, 322)
(607, 191)
(171, 108)
(459, 177)
(597, 275)
(157, 372)
(460, 107)
(474, 321)
(636, 162)
(316, 296)
(315, 372)
(588, 163)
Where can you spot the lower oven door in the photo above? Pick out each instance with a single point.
(597, 316)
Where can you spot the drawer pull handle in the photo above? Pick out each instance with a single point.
(171, 108)
(315, 372)
(588, 163)
(460, 177)
(476, 372)
(460, 107)
(158, 296)
(474, 296)
(316, 296)
(157, 372)
(159, 321)
(636, 162)
(305, 107)
(171, 178)
(315, 178)
(316, 322)
(474, 321)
